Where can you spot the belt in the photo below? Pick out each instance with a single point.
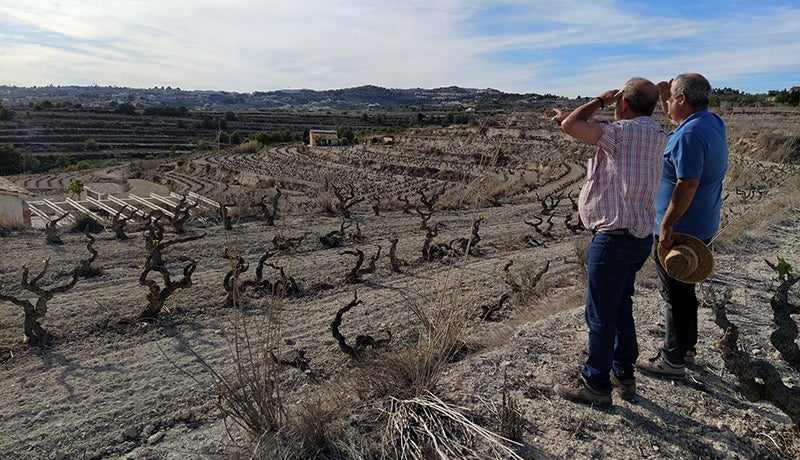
(619, 231)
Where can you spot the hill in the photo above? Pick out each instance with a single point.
(294, 100)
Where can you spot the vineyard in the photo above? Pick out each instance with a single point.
(339, 257)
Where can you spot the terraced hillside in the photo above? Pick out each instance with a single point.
(476, 220)
(85, 133)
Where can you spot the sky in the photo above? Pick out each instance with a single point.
(563, 47)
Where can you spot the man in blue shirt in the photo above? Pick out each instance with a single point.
(688, 201)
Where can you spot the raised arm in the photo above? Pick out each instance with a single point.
(577, 123)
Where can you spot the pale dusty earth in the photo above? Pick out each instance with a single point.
(112, 386)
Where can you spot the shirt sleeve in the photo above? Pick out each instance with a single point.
(612, 132)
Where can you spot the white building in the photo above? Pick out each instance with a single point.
(14, 210)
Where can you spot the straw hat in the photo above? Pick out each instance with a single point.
(688, 260)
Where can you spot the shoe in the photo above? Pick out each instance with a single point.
(581, 392)
(626, 388)
(660, 366)
(658, 345)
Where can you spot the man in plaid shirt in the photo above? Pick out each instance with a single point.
(616, 205)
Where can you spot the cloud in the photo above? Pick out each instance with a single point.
(570, 47)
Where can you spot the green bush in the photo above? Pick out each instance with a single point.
(75, 188)
(10, 160)
(91, 145)
(6, 113)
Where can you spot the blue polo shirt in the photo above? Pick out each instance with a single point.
(696, 150)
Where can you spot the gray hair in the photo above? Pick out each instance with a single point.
(694, 86)
(641, 94)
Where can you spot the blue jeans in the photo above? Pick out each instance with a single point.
(612, 263)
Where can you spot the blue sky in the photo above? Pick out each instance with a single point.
(568, 47)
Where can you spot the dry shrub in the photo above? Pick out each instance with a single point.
(251, 394)
(318, 428)
(416, 368)
(326, 202)
(740, 173)
(486, 190)
(414, 422)
(387, 409)
(758, 218)
(779, 148)
(252, 146)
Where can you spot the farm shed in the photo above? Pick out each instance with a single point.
(13, 208)
(318, 137)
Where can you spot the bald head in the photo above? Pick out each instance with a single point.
(642, 95)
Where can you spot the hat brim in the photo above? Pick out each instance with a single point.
(705, 262)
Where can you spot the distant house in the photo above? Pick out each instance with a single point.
(385, 140)
(14, 210)
(319, 137)
(794, 88)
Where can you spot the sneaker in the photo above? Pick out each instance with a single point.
(626, 388)
(660, 366)
(581, 392)
(658, 345)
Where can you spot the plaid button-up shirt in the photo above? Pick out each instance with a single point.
(623, 177)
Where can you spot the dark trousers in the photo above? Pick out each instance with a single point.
(681, 312)
(612, 263)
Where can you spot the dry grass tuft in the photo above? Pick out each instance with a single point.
(509, 414)
(251, 395)
(757, 219)
(426, 427)
(415, 369)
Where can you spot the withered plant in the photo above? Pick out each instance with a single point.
(229, 283)
(394, 262)
(362, 341)
(759, 379)
(51, 233)
(456, 247)
(282, 243)
(157, 295)
(521, 291)
(337, 322)
(544, 233)
(35, 334)
(181, 215)
(428, 204)
(270, 210)
(85, 268)
(354, 276)
(155, 244)
(414, 421)
(250, 395)
(335, 238)
(346, 199)
(549, 202)
(119, 222)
